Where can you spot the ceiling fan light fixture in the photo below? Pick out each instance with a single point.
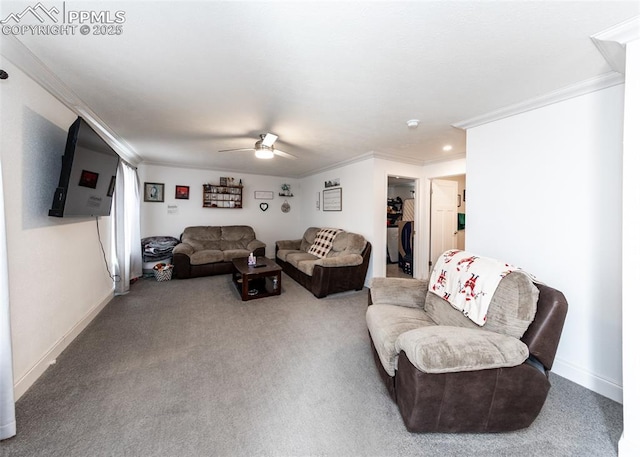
(264, 153)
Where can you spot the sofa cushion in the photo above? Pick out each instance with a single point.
(295, 258)
(308, 238)
(323, 242)
(513, 305)
(236, 236)
(445, 349)
(202, 232)
(206, 256)
(443, 313)
(386, 323)
(347, 243)
(399, 291)
(283, 253)
(511, 310)
(230, 254)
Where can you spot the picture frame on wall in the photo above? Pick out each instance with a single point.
(182, 192)
(332, 182)
(263, 195)
(332, 199)
(88, 179)
(153, 192)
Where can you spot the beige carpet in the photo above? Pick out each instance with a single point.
(184, 368)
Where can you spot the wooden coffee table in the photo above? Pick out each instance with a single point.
(263, 280)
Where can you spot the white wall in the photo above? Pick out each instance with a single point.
(357, 202)
(630, 442)
(544, 192)
(270, 225)
(57, 275)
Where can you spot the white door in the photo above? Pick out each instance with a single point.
(444, 218)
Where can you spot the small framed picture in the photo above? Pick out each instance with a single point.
(332, 199)
(223, 181)
(332, 182)
(112, 187)
(153, 192)
(182, 192)
(88, 179)
(263, 195)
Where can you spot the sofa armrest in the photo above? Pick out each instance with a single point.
(255, 245)
(288, 244)
(348, 260)
(183, 248)
(447, 349)
(410, 293)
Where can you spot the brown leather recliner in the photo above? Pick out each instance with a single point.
(499, 399)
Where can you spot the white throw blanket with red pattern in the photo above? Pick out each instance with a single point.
(468, 282)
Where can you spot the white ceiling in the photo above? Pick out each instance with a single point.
(335, 80)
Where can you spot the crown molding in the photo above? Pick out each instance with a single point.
(333, 166)
(461, 155)
(159, 163)
(22, 57)
(401, 159)
(362, 157)
(596, 83)
(612, 42)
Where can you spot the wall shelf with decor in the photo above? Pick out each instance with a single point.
(221, 196)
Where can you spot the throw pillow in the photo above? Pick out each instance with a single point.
(324, 241)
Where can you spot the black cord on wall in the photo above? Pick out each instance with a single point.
(114, 278)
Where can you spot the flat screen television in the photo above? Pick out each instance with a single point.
(88, 175)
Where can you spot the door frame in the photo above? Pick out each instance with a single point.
(418, 226)
(428, 210)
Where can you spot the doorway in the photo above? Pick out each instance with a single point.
(448, 216)
(401, 229)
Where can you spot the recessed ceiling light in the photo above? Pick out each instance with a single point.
(447, 147)
(413, 123)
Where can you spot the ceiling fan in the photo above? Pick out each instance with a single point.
(264, 148)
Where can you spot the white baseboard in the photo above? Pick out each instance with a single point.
(26, 381)
(598, 384)
(628, 447)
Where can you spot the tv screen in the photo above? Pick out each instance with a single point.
(88, 175)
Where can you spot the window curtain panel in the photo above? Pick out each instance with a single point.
(126, 228)
(7, 402)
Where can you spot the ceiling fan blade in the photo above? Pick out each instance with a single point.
(284, 154)
(234, 150)
(269, 139)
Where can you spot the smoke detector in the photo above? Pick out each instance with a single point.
(413, 123)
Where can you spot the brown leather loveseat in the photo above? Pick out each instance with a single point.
(208, 250)
(446, 373)
(343, 267)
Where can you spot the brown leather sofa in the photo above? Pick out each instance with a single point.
(498, 399)
(344, 268)
(208, 250)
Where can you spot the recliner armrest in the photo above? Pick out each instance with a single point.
(406, 292)
(447, 349)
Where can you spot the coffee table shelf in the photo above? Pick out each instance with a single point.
(257, 282)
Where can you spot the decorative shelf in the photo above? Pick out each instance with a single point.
(221, 196)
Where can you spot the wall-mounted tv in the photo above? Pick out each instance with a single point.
(88, 175)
